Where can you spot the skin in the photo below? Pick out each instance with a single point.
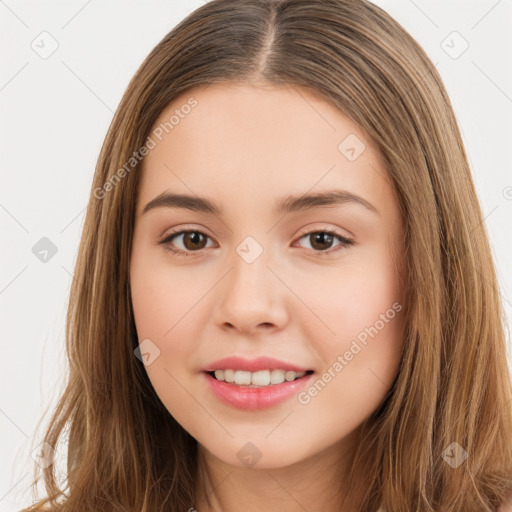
(245, 146)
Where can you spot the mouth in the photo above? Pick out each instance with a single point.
(258, 379)
(258, 390)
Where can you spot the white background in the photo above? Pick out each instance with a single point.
(55, 113)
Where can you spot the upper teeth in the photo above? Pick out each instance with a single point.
(259, 378)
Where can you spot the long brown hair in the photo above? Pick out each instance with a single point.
(125, 451)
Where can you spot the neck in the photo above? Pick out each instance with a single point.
(314, 484)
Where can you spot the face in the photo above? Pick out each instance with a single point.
(289, 246)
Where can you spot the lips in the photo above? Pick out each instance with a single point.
(254, 365)
(255, 398)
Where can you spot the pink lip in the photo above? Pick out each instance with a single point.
(244, 397)
(253, 365)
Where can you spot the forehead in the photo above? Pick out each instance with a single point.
(258, 141)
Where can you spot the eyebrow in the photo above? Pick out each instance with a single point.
(289, 205)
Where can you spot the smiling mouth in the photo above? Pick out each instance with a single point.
(258, 379)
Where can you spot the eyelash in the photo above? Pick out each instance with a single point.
(344, 242)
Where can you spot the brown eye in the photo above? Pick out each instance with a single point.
(192, 241)
(322, 242)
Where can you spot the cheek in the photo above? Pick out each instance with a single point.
(163, 297)
(159, 301)
(362, 355)
(350, 298)
(163, 307)
(362, 320)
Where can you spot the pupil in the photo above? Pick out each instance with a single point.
(320, 238)
(194, 237)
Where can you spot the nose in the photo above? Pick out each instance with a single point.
(251, 298)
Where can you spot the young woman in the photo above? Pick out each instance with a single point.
(284, 297)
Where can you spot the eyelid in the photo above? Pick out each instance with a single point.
(308, 229)
(183, 227)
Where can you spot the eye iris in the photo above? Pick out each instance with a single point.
(194, 237)
(320, 238)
